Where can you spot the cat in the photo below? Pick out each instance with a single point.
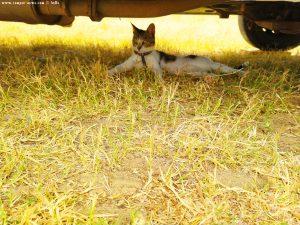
(145, 55)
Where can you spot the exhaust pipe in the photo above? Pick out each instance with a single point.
(143, 9)
(62, 12)
(97, 9)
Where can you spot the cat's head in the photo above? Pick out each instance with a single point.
(143, 40)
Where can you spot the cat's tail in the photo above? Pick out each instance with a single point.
(224, 69)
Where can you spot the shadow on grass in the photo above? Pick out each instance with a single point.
(64, 56)
(109, 55)
(60, 53)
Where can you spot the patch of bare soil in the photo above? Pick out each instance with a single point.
(289, 130)
(295, 100)
(115, 189)
(230, 178)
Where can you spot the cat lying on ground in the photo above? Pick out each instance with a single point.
(145, 55)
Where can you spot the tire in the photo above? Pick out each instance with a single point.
(264, 39)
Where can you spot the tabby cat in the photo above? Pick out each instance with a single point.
(145, 55)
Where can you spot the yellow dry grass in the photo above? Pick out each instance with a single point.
(79, 147)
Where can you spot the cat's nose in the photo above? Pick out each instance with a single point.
(139, 47)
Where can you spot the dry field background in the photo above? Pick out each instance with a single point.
(79, 147)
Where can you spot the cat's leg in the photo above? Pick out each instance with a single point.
(123, 67)
(158, 71)
(155, 67)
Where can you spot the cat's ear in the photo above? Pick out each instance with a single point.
(134, 28)
(151, 29)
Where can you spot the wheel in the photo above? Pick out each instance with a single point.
(265, 39)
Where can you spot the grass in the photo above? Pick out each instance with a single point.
(79, 147)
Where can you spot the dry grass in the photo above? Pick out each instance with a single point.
(78, 147)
